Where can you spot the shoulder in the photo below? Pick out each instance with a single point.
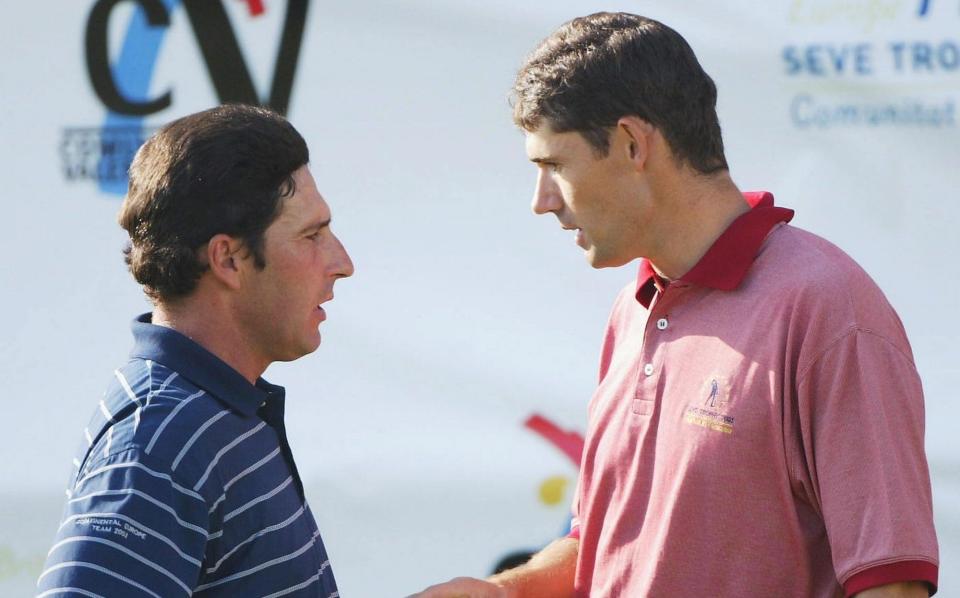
(800, 259)
(817, 295)
(822, 282)
(163, 418)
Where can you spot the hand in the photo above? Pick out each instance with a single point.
(464, 587)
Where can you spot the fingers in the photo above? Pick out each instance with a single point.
(463, 587)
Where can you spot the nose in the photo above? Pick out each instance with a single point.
(546, 194)
(342, 265)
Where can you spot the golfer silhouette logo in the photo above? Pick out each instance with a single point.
(716, 394)
(714, 391)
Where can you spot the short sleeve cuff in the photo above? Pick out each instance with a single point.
(898, 572)
(574, 533)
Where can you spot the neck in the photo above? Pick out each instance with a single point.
(211, 327)
(697, 210)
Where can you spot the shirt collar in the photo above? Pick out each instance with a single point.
(203, 368)
(726, 263)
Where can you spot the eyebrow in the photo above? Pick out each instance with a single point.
(543, 160)
(315, 226)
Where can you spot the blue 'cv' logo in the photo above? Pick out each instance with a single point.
(105, 153)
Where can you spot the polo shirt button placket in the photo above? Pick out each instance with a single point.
(645, 398)
(643, 401)
(662, 324)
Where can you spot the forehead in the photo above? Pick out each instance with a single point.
(545, 143)
(306, 204)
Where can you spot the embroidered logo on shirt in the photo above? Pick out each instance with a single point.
(110, 526)
(711, 411)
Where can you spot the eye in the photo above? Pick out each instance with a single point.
(314, 236)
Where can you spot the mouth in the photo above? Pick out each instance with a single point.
(578, 238)
(319, 309)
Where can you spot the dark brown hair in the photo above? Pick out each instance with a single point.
(596, 69)
(223, 170)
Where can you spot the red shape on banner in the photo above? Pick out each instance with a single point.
(255, 6)
(571, 443)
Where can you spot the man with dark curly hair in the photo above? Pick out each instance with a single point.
(184, 483)
(758, 425)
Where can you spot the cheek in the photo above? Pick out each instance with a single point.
(286, 281)
(571, 195)
(296, 264)
(581, 193)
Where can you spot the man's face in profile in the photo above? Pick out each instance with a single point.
(589, 193)
(281, 303)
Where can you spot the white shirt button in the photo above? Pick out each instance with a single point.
(648, 369)
(662, 324)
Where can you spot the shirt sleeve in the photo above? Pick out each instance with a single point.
(862, 426)
(128, 529)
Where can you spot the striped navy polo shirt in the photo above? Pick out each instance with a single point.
(184, 484)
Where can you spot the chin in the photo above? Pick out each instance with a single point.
(312, 346)
(306, 347)
(598, 260)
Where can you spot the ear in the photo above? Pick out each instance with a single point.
(225, 257)
(636, 139)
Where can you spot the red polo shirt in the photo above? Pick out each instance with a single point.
(757, 429)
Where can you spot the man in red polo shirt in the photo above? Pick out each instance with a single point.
(758, 425)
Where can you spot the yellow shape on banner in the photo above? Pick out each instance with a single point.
(552, 489)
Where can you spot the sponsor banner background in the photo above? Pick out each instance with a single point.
(467, 315)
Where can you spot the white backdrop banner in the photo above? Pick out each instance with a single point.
(437, 428)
